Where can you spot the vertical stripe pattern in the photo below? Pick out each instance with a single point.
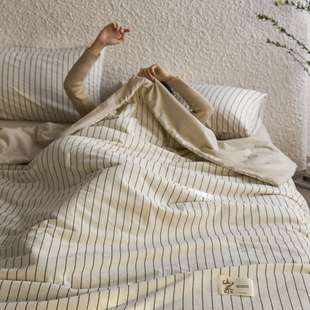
(31, 83)
(121, 216)
(238, 112)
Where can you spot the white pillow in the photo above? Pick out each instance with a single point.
(31, 83)
(237, 112)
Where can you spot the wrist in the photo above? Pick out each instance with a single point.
(170, 77)
(97, 47)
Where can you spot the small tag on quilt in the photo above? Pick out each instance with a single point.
(235, 286)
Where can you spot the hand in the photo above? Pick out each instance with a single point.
(111, 34)
(156, 71)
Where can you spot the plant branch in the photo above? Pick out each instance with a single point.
(283, 30)
(302, 49)
(294, 54)
(298, 6)
(297, 60)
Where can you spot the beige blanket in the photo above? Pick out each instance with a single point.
(119, 215)
(249, 156)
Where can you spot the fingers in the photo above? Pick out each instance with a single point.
(116, 26)
(144, 71)
(156, 71)
(149, 73)
(152, 68)
(120, 32)
(121, 38)
(119, 28)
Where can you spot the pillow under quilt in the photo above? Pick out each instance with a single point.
(31, 83)
(238, 112)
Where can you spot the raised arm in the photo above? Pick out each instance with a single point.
(74, 83)
(202, 109)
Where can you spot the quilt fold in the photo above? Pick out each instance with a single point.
(250, 156)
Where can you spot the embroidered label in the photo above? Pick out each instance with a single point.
(235, 286)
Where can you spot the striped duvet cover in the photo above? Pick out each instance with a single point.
(121, 216)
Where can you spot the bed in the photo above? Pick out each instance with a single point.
(118, 212)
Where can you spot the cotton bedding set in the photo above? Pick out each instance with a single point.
(139, 206)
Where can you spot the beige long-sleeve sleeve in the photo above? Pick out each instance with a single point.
(201, 108)
(74, 86)
(74, 83)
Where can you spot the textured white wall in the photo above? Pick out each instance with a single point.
(217, 42)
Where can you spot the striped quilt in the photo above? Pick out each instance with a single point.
(120, 215)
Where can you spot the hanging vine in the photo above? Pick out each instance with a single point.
(300, 52)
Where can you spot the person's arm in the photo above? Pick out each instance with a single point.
(74, 83)
(201, 108)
